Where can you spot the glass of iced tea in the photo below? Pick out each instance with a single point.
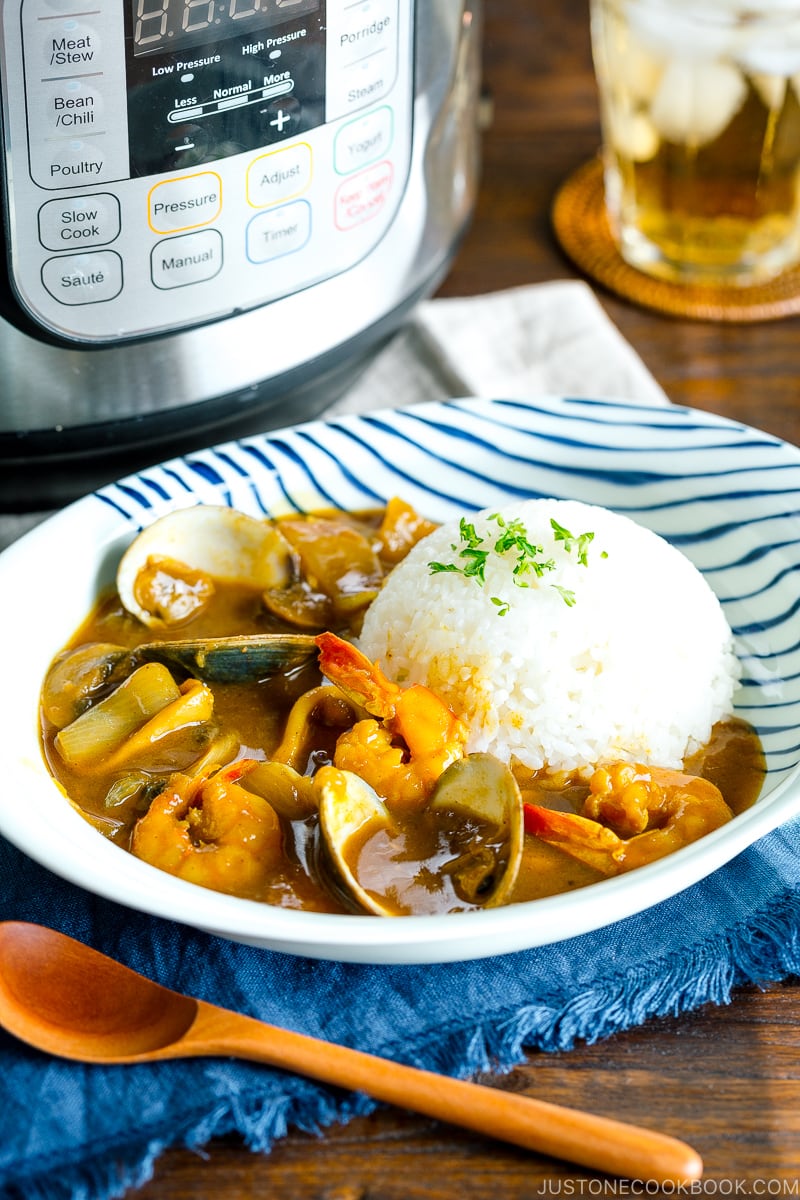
(700, 105)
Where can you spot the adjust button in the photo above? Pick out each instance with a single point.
(278, 176)
(84, 278)
(79, 221)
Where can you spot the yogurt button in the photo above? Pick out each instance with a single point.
(360, 142)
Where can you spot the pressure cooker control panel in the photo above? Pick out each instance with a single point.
(171, 162)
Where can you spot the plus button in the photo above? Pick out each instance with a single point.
(281, 119)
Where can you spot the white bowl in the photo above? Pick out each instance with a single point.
(725, 494)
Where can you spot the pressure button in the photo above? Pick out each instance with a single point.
(186, 203)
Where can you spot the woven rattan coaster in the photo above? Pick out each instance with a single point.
(580, 223)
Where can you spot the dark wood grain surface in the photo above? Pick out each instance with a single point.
(727, 1079)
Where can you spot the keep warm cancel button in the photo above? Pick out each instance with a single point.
(363, 196)
(178, 204)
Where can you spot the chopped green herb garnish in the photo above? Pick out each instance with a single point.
(582, 541)
(566, 595)
(474, 558)
(513, 539)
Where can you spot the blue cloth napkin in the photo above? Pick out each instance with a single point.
(85, 1132)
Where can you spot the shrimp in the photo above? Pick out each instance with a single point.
(632, 816)
(209, 830)
(415, 737)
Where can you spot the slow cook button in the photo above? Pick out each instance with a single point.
(362, 141)
(191, 258)
(363, 196)
(79, 221)
(84, 278)
(187, 203)
(280, 231)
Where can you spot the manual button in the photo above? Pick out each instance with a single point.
(186, 259)
(79, 221)
(84, 278)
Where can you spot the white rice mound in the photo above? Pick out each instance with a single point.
(639, 667)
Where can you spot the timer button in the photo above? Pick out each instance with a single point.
(79, 221)
(187, 203)
(83, 278)
(280, 231)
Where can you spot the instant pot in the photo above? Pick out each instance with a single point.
(215, 211)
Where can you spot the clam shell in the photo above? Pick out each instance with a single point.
(248, 658)
(225, 544)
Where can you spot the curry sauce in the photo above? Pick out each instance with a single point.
(284, 860)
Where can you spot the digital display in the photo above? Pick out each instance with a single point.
(164, 25)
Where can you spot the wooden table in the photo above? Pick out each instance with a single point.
(725, 1079)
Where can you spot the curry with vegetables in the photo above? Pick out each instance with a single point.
(215, 718)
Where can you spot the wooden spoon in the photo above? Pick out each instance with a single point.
(67, 999)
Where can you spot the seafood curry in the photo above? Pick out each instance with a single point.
(214, 718)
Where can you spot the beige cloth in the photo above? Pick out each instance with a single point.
(545, 339)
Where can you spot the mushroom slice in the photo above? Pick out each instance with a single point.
(167, 574)
(336, 561)
(481, 789)
(289, 793)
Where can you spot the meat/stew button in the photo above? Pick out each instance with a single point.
(186, 203)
